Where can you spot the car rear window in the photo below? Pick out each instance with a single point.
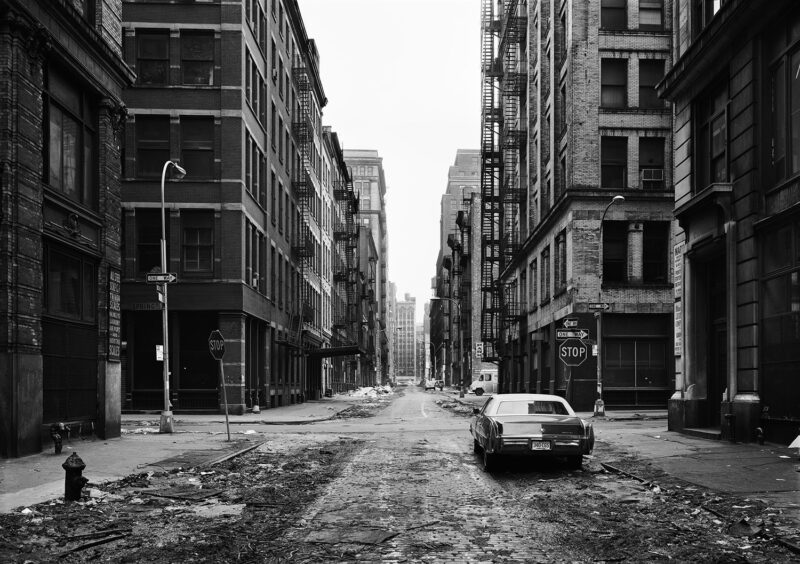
(522, 407)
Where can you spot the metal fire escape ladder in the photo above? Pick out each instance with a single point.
(513, 140)
(303, 130)
(491, 174)
(346, 240)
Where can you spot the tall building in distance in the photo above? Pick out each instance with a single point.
(369, 184)
(735, 90)
(405, 340)
(62, 114)
(571, 120)
(463, 181)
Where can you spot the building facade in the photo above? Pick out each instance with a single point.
(234, 96)
(369, 184)
(735, 89)
(463, 182)
(62, 75)
(571, 119)
(405, 349)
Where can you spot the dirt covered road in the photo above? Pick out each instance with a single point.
(395, 480)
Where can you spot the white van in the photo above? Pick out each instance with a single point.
(485, 383)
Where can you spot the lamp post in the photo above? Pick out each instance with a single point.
(599, 405)
(460, 343)
(166, 415)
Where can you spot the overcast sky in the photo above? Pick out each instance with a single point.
(403, 77)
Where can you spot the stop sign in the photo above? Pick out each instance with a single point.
(216, 344)
(573, 352)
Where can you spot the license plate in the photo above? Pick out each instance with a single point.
(540, 445)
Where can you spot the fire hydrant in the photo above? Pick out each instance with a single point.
(56, 429)
(74, 480)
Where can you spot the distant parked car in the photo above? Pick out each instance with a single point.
(535, 425)
(430, 385)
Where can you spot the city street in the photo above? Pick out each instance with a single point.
(394, 479)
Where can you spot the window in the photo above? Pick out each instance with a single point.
(281, 195)
(703, 12)
(545, 285)
(72, 152)
(651, 162)
(70, 285)
(152, 145)
(711, 148)
(152, 57)
(651, 71)
(533, 281)
(614, 83)
(561, 262)
(198, 241)
(197, 57)
(651, 15)
(272, 274)
(785, 107)
(613, 162)
(197, 146)
(273, 196)
(148, 241)
(273, 125)
(613, 14)
(615, 251)
(655, 252)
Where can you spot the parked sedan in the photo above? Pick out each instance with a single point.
(536, 425)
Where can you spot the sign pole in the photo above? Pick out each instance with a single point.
(224, 398)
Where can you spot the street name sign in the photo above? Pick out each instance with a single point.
(598, 305)
(570, 322)
(216, 344)
(562, 334)
(161, 278)
(573, 352)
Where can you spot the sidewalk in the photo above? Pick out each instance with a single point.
(197, 439)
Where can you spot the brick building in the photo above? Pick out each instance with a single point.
(369, 184)
(61, 112)
(231, 92)
(462, 182)
(735, 89)
(571, 119)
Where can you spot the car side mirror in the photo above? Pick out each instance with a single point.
(475, 411)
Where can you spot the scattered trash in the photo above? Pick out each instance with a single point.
(249, 432)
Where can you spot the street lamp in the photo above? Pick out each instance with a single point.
(166, 415)
(599, 405)
(460, 342)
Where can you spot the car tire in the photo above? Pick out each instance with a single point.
(476, 447)
(575, 462)
(489, 461)
(478, 391)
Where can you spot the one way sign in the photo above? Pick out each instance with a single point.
(562, 334)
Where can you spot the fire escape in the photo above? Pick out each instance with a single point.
(491, 175)
(513, 141)
(345, 276)
(303, 248)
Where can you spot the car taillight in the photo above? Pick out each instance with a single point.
(499, 428)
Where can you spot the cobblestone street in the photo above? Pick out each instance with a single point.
(427, 489)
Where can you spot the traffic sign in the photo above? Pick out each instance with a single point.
(479, 350)
(161, 278)
(570, 322)
(573, 352)
(216, 344)
(572, 334)
(598, 305)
